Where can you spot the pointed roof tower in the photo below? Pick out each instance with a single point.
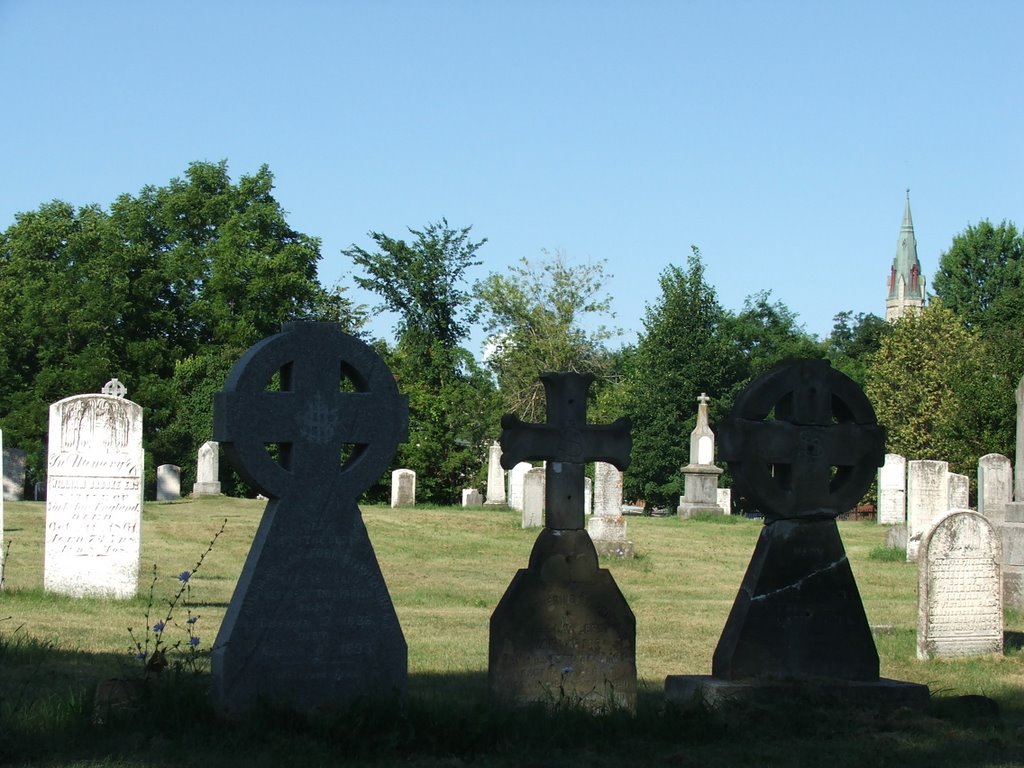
(906, 283)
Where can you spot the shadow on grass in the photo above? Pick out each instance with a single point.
(1013, 641)
(448, 720)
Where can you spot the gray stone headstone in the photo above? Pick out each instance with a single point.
(725, 499)
(995, 486)
(927, 499)
(1018, 461)
(311, 625)
(207, 470)
(168, 482)
(960, 599)
(495, 477)
(803, 444)
(959, 491)
(403, 488)
(607, 526)
(94, 497)
(13, 460)
(533, 498)
(516, 477)
(892, 490)
(471, 497)
(563, 633)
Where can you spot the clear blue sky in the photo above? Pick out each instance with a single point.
(778, 136)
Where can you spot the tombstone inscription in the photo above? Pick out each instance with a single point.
(563, 632)
(311, 625)
(803, 443)
(94, 495)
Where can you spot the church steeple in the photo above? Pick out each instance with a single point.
(906, 283)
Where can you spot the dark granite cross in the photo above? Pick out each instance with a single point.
(310, 419)
(567, 443)
(819, 453)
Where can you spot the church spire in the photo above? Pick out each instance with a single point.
(906, 283)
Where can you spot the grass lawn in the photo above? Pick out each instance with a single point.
(446, 569)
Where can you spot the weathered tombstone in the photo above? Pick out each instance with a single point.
(892, 490)
(533, 498)
(13, 460)
(724, 497)
(797, 625)
(563, 633)
(959, 491)
(168, 482)
(516, 477)
(207, 470)
(495, 477)
(995, 486)
(960, 596)
(1018, 461)
(700, 476)
(94, 495)
(471, 497)
(311, 625)
(403, 488)
(927, 499)
(607, 526)
(588, 496)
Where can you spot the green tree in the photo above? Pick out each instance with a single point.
(164, 292)
(452, 404)
(535, 315)
(681, 352)
(763, 333)
(932, 387)
(853, 342)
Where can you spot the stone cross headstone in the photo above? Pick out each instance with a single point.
(700, 476)
(471, 497)
(168, 482)
(94, 495)
(207, 470)
(13, 474)
(960, 596)
(995, 486)
(495, 477)
(403, 488)
(311, 625)
(892, 490)
(802, 444)
(607, 526)
(516, 476)
(927, 499)
(533, 498)
(563, 633)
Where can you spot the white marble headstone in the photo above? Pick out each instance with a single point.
(495, 477)
(927, 499)
(207, 470)
(94, 497)
(516, 476)
(960, 595)
(995, 486)
(533, 498)
(403, 488)
(892, 490)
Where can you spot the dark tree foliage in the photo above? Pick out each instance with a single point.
(453, 406)
(164, 292)
(853, 342)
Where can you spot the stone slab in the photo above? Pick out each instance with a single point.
(207, 470)
(690, 692)
(496, 495)
(798, 612)
(94, 497)
(892, 490)
(563, 632)
(13, 472)
(960, 597)
(168, 482)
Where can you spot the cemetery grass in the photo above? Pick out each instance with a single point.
(447, 568)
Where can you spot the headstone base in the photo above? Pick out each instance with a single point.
(689, 692)
(206, 489)
(687, 509)
(563, 634)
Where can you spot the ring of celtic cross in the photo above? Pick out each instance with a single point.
(802, 441)
(310, 419)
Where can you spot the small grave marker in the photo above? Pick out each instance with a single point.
(311, 625)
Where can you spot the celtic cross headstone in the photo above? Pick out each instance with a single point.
(803, 445)
(563, 632)
(310, 417)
